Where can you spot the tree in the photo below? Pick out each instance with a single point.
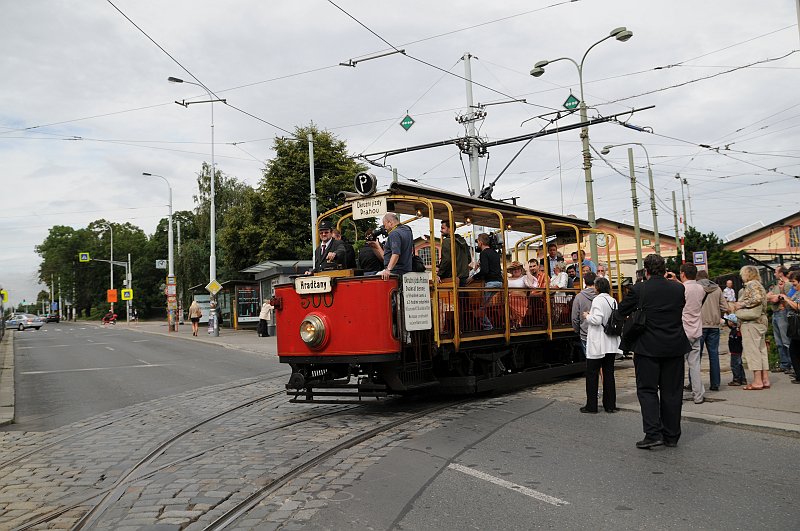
(286, 190)
(229, 195)
(720, 260)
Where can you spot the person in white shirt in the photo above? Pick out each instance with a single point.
(559, 279)
(601, 350)
(728, 292)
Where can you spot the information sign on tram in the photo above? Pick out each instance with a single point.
(372, 207)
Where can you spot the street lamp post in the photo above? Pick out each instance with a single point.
(111, 252)
(621, 34)
(172, 323)
(213, 224)
(606, 150)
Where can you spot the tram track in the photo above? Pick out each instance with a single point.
(112, 494)
(254, 499)
(16, 459)
(100, 502)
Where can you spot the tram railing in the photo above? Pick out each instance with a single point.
(527, 310)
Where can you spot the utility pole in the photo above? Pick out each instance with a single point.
(128, 284)
(394, 170)
(675, 216)
(636, 232)
(653, 207)
(689, 197)
(469, 118)
(313, 196)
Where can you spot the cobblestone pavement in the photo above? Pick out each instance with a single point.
(210, 469)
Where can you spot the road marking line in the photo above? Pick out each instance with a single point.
(47, 346)
(109, 348)
(508, 485)
(94, 369)
(140, 341)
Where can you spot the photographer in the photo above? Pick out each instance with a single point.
(399, 247)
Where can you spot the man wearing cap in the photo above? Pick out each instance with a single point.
(329, 250)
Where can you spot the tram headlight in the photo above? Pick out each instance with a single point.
(312, 331)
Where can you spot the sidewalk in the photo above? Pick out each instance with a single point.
(774, 410)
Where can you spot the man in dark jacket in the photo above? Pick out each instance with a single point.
(349, 250)
(443, 268)
(490, 271)
(660, 349)
(330, 251)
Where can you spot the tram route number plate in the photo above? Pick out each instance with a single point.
(372, 207)
(305, 286)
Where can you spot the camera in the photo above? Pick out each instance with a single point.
(380, 231)
(495, 242)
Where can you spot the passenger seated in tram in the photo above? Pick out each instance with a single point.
(559, 279)
(535, 274)
(518, 298)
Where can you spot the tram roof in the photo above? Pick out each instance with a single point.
(468, 207)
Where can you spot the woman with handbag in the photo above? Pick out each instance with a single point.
(751, 313)
(601, 350)
(792, 302)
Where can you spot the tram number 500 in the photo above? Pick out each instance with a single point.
(316, 300)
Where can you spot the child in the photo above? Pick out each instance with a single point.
(735, 348)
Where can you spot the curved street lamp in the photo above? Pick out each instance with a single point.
(212, 261)
(172, 323)
(621, 34)
(606, 150)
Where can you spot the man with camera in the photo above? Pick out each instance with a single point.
(399, 247)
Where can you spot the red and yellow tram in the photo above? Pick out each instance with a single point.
(348, 335)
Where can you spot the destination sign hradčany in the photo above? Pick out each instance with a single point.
(305, 286)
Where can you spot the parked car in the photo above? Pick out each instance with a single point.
(23, 321)
(52, 318)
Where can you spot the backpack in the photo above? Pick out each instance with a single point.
(417, 265)
(613, 327)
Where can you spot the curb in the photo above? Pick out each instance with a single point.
(763, 426)
(7, 396)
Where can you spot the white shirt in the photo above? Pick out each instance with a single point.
(729, 294)
(598, 343)
(559, 281)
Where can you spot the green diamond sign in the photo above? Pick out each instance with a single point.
(571, 102)
(407, 122)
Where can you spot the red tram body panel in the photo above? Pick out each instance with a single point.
(356, 314)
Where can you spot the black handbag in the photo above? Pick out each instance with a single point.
(794, 325)
(417, 265)
(636, 324)
(613, 326)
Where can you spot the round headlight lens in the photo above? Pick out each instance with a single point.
(312, 331)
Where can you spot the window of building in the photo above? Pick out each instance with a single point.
(794, 236)
(425, 254)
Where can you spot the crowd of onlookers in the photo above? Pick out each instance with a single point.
(675, 318)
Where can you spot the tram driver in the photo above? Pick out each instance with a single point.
(330, 251)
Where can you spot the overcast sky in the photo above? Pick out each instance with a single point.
(85, 106)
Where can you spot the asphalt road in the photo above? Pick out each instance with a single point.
(67, 372)
(535, 463)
